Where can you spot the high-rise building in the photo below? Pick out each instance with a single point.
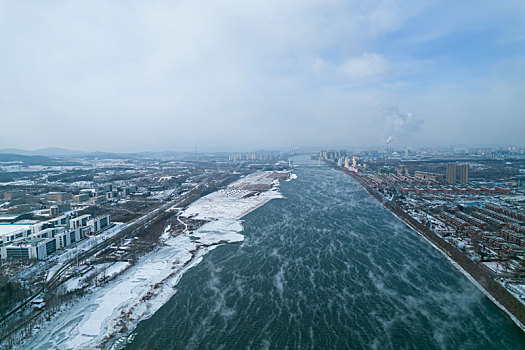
(463, 174)
(451, 173)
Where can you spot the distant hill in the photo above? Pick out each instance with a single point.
(46, 152)
(54, 152)
(35, 160)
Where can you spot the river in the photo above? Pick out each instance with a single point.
(326, 267)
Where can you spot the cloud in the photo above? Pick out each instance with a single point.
(365, 66)
(399, 125)
(249, 74)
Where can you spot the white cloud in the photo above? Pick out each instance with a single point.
(226, 73)
(401, 126)
(366, 65)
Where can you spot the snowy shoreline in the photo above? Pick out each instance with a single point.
(466, 274)
(514, 319)
(106, 317)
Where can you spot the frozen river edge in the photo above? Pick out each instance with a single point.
(464, 271)
(106, 317)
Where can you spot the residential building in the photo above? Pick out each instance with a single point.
(463, 174)
(451, 173)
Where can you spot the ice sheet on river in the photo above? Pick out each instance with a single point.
(140, 291)
(236, 200)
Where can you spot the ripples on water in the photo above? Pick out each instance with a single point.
(326, 267)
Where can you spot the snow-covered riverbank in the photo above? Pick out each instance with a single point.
(100, 317)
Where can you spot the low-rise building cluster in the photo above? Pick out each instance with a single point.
(483, 217)
(37, 240)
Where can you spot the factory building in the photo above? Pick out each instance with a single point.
(11, 195)
(82, 197)
(59, 196)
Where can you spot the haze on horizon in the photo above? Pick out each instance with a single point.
(160, 75)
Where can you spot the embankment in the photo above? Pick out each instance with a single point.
(476, 273)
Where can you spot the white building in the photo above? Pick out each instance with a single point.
(36, 248)
(13, 232)
(99, 224)
(36, 241)
(80, 221)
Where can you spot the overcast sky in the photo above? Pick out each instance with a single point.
(240, 74)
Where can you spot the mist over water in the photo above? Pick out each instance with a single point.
(326, 267)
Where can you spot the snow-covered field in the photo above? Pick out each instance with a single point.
(495, 266)
(235, 201)
(116, 268)
(52, 271)
(163, 195)
(518, 290)
(87, 243)
(143, 288)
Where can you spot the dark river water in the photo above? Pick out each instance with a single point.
(327, 267)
